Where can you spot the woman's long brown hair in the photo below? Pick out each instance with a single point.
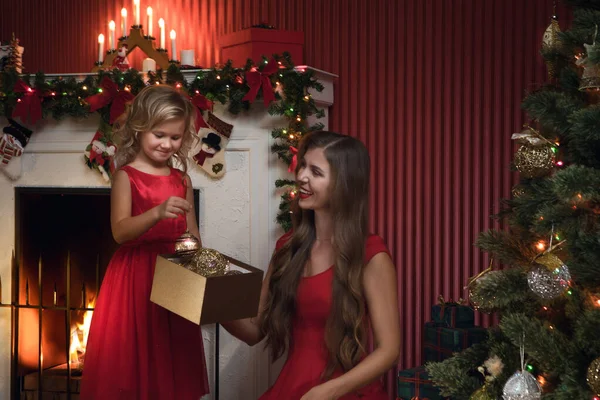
(349, 189)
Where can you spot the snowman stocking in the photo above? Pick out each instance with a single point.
(209, 154)
(12, 143)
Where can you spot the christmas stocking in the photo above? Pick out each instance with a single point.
(209, 154)
(12, 143)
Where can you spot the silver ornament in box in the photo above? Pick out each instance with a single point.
(522, 386)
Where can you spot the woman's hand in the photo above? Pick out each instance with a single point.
(323, 391)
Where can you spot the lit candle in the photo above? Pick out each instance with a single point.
(124, 15)
(149, 13)
(161, 25)
(111, 36)
(173, 47)
(100, 48)
(136, 12)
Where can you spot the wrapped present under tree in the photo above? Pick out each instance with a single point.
(414, 383)
(453, 314)
(441, 342)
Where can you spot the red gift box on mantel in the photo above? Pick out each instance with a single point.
(254, 43)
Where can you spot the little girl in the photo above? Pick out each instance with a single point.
(137, 350)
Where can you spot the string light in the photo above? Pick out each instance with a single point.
(84, 87)
(291, 136)
(197, 92)
(541, 245)
(53, 94)
(298, 118)
(99, 90)
(218, 76)
(178, 85)
(559, 163)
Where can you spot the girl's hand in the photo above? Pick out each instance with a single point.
(173, 207)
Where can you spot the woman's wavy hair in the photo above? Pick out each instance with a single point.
(349, 190)
(153, 106)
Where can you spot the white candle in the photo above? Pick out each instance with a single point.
(173, 47)
(187, 57)
(100, 48)
(149, 13)
(136, 12)
(148, 65)
(111, 36)
(161, 25)
(124, 16)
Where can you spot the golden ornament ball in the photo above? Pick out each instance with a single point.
(186, 245)
(534, 162)
(207, 262)
(593, 376)
(481, 394)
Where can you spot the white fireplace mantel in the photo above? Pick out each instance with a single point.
(237, 217)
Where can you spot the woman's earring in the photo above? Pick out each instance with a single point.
(136, 135)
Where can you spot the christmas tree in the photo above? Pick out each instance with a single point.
(544, 275)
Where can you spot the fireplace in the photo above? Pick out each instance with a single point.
(63, 243)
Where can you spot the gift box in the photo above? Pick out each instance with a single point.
(206, 300)
(415, 383)
(453, 314)
(254, 43)
(440, 342)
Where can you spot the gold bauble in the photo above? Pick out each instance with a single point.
(481, 394)
(207, 262)
(186, 244)
(551, 43)
(534, 161)
(593, 376)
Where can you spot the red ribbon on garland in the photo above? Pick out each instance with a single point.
(294, 162)
(201, 103)
(29, 105)
(257, 79)
(110, 94)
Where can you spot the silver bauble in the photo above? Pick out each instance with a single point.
(522, 386)
(550, 279)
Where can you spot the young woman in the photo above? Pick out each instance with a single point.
(329, 283)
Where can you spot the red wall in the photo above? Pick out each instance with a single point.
(433, 87)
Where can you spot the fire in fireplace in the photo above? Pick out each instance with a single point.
(63, 244)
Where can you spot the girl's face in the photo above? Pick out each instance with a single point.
(160, 144)
(314, 179)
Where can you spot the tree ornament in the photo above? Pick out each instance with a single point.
(590, 79)
(535, 157)
(550, 279)
(482, 394)
(593, 376)
(551, 43)
(208, 262)
(478, 301)
(522, 385)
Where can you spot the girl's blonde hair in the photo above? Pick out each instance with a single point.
(154, 105)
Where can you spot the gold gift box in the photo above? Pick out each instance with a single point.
(206, 300)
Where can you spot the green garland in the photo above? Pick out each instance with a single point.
(224, 84)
